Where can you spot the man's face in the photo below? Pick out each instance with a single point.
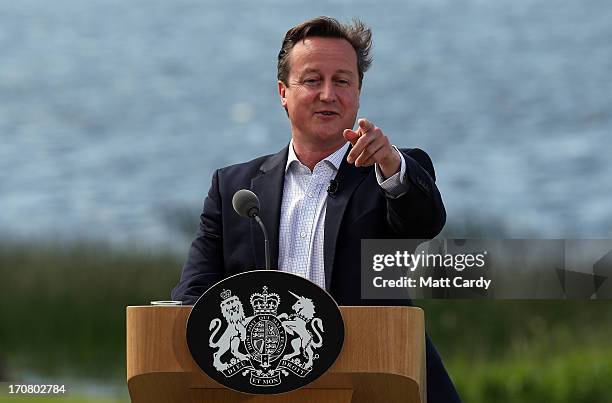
(322, 98)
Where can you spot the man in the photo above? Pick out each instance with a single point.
(329, 188)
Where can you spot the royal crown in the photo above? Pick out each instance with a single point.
(225, 294)
(265, 303)
(229, 300)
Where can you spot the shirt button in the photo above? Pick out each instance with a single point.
(310, 194)
(303, 234)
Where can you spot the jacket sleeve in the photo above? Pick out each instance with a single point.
(204, 265)
(419, 213)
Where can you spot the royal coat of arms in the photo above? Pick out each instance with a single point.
(266, 345)
(265, 332)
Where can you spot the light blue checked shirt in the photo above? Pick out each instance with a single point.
(302, 221)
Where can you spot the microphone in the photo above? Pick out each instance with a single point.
(246, 204)
(333, 187)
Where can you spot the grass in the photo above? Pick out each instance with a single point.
(572, 375)
(63, 315)
(63, 308)
(525, 351)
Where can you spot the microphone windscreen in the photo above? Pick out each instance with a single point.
(246, 203)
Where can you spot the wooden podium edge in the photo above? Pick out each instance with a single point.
(172, 359)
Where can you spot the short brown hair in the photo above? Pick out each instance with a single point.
(356, 33)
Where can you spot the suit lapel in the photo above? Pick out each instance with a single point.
(268, 186)
(348, 178)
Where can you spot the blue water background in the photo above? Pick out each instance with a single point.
(114, 114)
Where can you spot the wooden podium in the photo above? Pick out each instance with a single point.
(383, 360)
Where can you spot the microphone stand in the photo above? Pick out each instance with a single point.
(266, 243)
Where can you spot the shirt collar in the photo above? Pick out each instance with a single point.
(335, 158)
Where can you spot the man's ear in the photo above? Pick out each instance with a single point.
(281, 91)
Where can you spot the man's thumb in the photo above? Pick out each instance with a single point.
(350, 135)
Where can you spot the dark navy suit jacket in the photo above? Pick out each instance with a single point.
(227, 244)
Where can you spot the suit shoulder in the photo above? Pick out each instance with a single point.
(250, 168)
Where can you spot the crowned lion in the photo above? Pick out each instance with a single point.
(233, 312)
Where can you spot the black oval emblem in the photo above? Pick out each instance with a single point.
(265, 332)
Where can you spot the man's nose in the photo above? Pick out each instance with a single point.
(328, 92)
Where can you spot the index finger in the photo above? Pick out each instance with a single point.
(365, 125)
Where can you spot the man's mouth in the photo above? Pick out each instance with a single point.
(326, 113)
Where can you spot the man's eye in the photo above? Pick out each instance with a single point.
(342, 82)
(311, 81)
